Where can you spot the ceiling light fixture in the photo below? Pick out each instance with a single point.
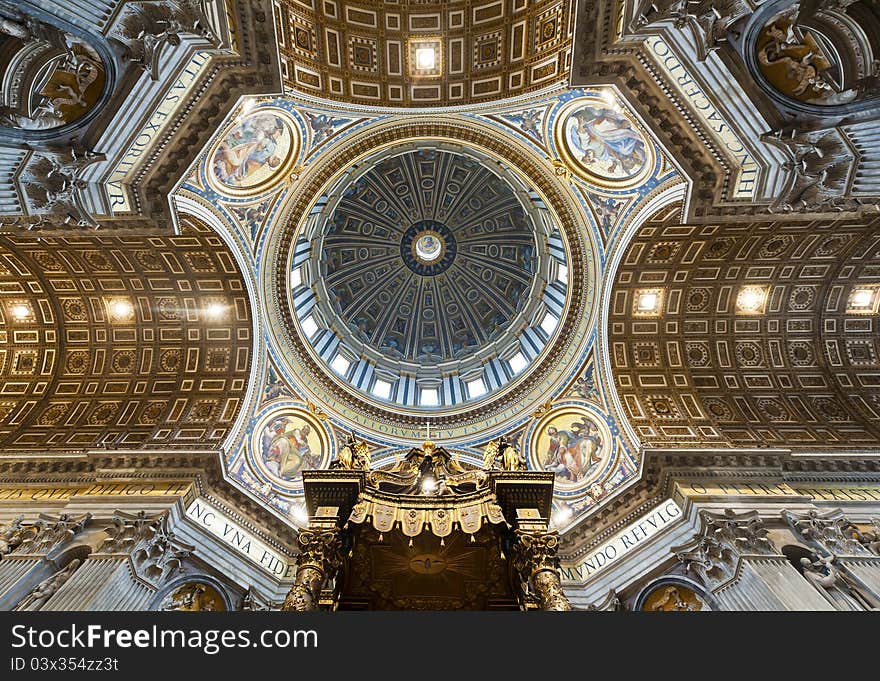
(426, 58)
(20, 312)
(751, 300)
(863, 300)
(120, 310)
(216, 310)
(648, 302)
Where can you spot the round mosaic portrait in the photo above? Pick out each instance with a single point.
(254, 153)
(572, 443)
(603, 144)
(287, 442)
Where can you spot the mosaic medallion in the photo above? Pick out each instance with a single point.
(572, 442)
(255, 153)
(287, 442)
(603, 144)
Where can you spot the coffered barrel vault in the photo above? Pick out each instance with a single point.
(121, 342)
(749, 334)
(423, 53)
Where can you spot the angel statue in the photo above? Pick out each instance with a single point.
(833, 584)
(499, 453)
(354, 455)
(11, 536)
(147, 28)
(43, 591)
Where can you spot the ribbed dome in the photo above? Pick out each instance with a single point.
(430, 275)
(429, 256)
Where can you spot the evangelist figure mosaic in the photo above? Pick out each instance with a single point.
(287, 443)
(569, 442)
(254, 151)
(602, 143)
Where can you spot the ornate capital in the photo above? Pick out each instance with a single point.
(320, 550)
(724, 538)
(711, 562)
(127, 531)
(161, 555)
(48, 533)
(832, 532)
(742, 532)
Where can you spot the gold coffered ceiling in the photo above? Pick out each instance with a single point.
(121, 342)
(757, 334)
(423, 53)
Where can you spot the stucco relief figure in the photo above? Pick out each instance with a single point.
(870, 539)
(795, 64)
(72, 87)
(605, 142)
(573, 452)
(674, 598)
(41, 593)
(289, 446)
(252, 151)
(193, 597)
(834, 585)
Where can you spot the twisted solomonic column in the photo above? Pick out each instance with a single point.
(320, 556)
(535, 559)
